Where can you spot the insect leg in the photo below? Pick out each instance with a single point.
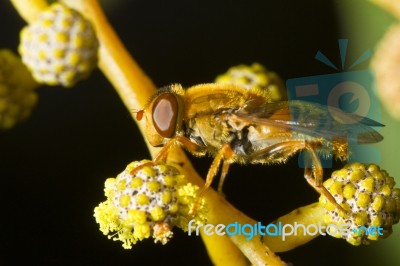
(225, 168)
(314, 176)
(278, 152)
(224, 155)
(190, 146)
(140, 167)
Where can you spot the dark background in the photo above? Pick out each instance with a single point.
(53, 166)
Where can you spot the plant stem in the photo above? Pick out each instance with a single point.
(310, 214)
(29, 10)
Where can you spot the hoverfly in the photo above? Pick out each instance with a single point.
(239, 125)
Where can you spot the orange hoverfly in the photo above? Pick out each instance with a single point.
(237, 124)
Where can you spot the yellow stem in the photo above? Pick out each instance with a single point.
(29, 10)
(131, 83)
(226, 256)
(134, 88)
(222, 212)
(310, 214)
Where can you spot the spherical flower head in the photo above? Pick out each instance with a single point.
(367, 193)
(256, 76)
(60, 47)
(17, 90)
(147, 200)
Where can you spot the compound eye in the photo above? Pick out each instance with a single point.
(165, 113)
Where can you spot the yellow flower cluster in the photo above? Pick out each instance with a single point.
(17, 90)
(60, 47)
(368, 194)
(255, 75)
(147, 200)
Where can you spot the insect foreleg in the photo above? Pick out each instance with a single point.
(190, 146)
(140, 167)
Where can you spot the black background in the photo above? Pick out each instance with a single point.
(53, 166)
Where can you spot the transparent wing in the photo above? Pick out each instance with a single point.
(312, 119)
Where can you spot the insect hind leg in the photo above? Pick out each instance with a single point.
(313, 173)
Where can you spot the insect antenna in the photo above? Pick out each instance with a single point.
(139, 114)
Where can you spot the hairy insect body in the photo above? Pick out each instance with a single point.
(217, 123)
